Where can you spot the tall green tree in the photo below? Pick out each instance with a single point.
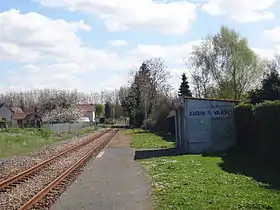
(226, 62)
(270, 89)
(108, 110)
(148, 86)
(143, 80)
(99, 110)
(132, 102)
(184, 89)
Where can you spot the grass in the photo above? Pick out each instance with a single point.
(87, 130)
(21, 141)
(142, 139)
(197, 182)
(17, 144)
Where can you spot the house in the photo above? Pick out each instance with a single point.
(28, 117)
(204, 125)
(6, 112)
(88, 111)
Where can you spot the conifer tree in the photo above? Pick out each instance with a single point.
(184, 89)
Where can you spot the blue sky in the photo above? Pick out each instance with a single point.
(92, 45)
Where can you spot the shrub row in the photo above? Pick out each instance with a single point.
(43, 133)
(258, 128)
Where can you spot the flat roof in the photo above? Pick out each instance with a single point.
(212, 99)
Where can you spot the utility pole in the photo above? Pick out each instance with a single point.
(145, 118)
(113, 114)
(145, 96)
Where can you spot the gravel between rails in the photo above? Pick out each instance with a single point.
(15, 197)
(14, 165)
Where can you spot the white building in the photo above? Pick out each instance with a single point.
(204, 125)
(88, 110)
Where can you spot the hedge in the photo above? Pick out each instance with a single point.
(258, 128)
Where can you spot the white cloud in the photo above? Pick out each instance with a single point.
(113, 82)
(264, 53)
(241, 11)
(33, 39)
(45, 76)
(169, 52)
(118, 43)
(176, 76)
(273, 34)
(31, 36)
(164, 16)
(60, 76)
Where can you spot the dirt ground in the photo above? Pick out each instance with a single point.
(121, 140)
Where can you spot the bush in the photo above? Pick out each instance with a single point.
(109, 121)
(138, 119)
(243, 117)
(267, 124)
(3, 124)
(257, 128)
(162, 123)
(43, 133)
(171, 124)
(12, 130)
(149, 123)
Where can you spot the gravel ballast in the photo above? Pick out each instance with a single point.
(14, 165)
(15, 197)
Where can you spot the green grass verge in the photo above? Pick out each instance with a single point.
(197, 182)
(21, 141)
(142, 139)
(17, 144)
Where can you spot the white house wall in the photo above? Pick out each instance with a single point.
(91, 116)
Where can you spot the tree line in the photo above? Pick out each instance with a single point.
(222, 65)
(59, 106)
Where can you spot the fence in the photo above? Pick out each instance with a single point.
(68, 127)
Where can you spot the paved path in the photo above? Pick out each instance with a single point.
(112, 182)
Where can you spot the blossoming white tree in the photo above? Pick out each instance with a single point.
(59, 107)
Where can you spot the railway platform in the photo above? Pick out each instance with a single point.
(112, 181)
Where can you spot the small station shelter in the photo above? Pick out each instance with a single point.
(204, 125)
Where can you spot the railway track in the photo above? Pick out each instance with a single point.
(63, 168)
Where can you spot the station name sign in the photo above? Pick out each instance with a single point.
(210, 112)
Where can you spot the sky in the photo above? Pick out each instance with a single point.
(92, 45)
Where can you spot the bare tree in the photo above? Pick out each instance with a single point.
(198, 66)
(225, 65)
(154, 82)
(273, 64)
(123, 93)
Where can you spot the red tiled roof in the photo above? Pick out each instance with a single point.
(86, 107)
(20, 116)
(17, 109)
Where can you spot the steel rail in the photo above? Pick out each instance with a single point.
(40, 195)
(35, 168)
